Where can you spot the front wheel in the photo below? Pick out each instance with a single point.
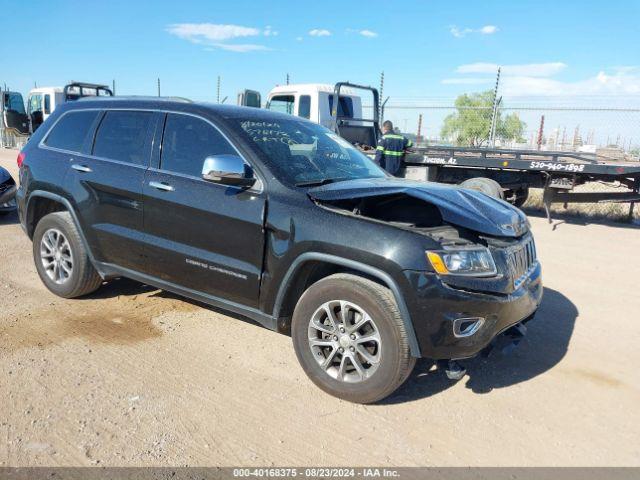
(349, 337)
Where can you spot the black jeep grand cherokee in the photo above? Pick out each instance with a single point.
(280, 220)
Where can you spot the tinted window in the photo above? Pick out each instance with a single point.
(70, 132)
(304, 108)
(188, 141)
(47, 104)
(13, 102)
(122, 136)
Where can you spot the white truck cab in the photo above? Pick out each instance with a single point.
(314, 101)
(42, 101)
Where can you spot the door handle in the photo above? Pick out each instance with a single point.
(162, 186)
(81, 168)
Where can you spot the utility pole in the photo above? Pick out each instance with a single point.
(287, 79)
(218, 91)
(158, 86)
(113, 86)
(541, 132)
(419, 134)
(380, 94)
(494, 112)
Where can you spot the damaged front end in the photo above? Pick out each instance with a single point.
(457, 312)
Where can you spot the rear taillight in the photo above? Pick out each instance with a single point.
(20, 159)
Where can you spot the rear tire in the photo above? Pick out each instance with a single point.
(61, 258)
(365, 371)
(485, 185)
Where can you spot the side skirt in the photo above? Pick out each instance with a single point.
(112, 271)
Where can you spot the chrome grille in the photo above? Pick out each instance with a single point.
(521, 260)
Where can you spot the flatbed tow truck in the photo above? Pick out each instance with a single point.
(503, 173)
(515, 171)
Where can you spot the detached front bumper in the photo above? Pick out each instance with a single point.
(455, 323)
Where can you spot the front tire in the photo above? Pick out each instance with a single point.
(61, 258)
(350, 339)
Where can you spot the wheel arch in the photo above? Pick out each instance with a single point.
(37, 209)
(289, 287)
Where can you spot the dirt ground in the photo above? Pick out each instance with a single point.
(134, 376)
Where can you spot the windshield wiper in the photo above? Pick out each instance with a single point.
(322, 181)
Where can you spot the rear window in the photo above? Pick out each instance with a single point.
(122, 136)
(71, 131)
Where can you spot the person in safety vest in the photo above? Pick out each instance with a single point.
(391, 148)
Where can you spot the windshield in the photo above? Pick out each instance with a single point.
(305, 153)
(13, 102)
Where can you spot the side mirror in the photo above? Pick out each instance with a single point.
(227, 170)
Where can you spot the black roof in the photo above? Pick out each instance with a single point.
(178, 104)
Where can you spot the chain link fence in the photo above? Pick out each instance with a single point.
(9, 138)
(608, 127)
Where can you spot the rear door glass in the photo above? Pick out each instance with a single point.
(71, 131)
(122, 136)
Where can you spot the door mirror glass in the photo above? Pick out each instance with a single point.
(227, 170)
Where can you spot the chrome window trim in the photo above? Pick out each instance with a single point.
(44, 146)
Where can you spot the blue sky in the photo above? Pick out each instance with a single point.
(568, 52)
(426, 48)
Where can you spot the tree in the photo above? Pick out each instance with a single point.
(511, 129)
(471, 123)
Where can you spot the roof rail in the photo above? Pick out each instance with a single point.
(137, 97)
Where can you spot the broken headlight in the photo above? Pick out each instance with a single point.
(476, 262)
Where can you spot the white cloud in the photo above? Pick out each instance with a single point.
(528, 69)
(270, 32)
(368, 33)
(299, 39)
(488, 30)
(461, 32)
(319, 32)
(200, 32)
(215, 36)
(534, 79)
(603, 83)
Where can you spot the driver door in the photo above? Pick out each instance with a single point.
(201, 236)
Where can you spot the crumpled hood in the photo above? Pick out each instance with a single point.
(458, 206)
